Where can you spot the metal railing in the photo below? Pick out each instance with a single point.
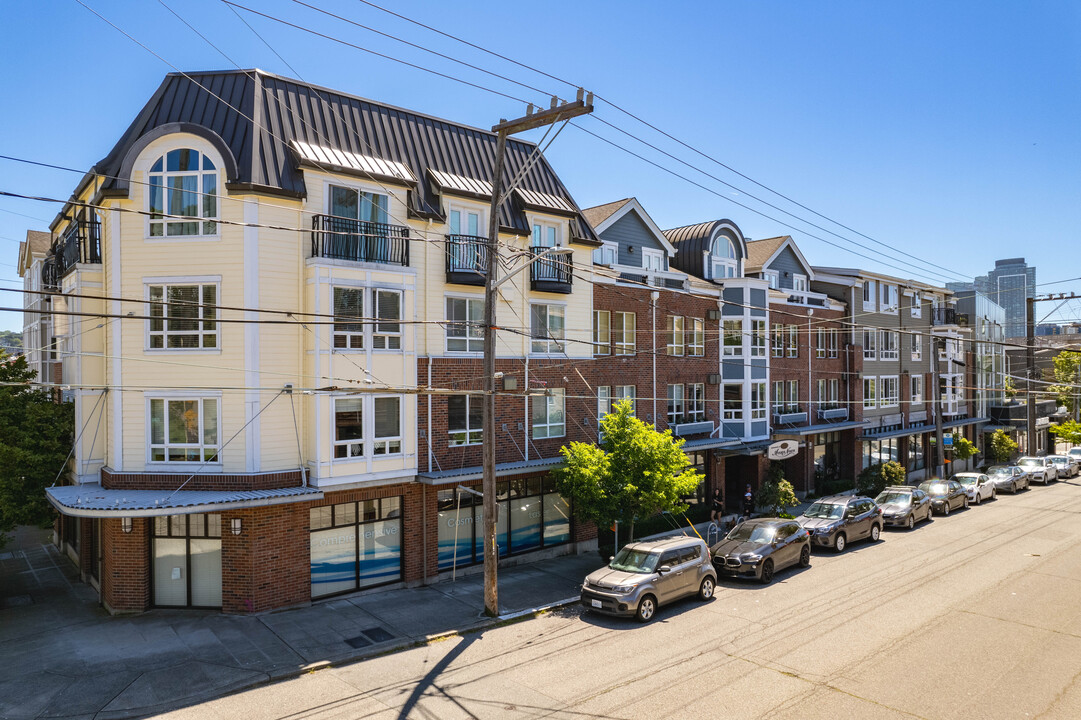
(943, 316)
(50, 277)
(553, 269)
(339, 238)
(467, 255)
(80, 243)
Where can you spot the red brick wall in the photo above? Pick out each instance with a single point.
(171, 481)
(125, 580)
(268, 564)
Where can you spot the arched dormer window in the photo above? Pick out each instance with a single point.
(183, 182)
(724, 257)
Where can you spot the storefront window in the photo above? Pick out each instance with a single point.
(827, 455)
(916, 460)
(355, 545)
(187, 560)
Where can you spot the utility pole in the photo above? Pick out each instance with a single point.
(556, 113)
(1030, 361)
(936, 394)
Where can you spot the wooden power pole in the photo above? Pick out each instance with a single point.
(557, 113)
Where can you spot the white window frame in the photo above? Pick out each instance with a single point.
(202, 195)
(602, 332)
(624, 392)
(870, 392)
(604, 401)
(777, 340)
(917, 346)
(165, 284)
(888, 348)
(916, 388)
(554, 399)
(676, 404)
(546, 229)
(652, 260)
(727, 333)
(731, 413)
(917, 304)
(773, 278)
(889, 391)
(831, 338)
(870, 344)
(695, 399)
(467, 435)
(606, 248)
(623, 339)
(474, 343)
(349, 336)
(370, 446)
(778, 397)
(728, 263)
(759, 400)
(793, 341)
(799, 283)
(870, 295)
(202, 446)
(387, 445)
(675, 331)
(889, 300)
(696, 337)
(381, 336)
(820, 343)
(759, 332)
(549, 343)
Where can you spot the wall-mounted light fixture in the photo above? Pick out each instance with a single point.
(125, 525)
(235, 525)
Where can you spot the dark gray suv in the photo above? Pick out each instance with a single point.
(837, 520)
(758, 548)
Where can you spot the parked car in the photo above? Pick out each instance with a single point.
(759, 548)
(646, 575)
(1067, 465)
(836, 520)
(945, 495)
(904, 505)
(1041, 469)
(977, 486)
(1009, 477)
(1075, 453)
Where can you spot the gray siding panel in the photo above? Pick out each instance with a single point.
(733, 301)
(787, 262)
(632, 235)
(758, 298)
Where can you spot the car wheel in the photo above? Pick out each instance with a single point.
(840, 542)
(946, 508)
(876, 532)
(964, 503)
(705, 590)
(805, 556)
(647, 608)
(979, 498)
(767, 572)
(994, 492)
(911, 522)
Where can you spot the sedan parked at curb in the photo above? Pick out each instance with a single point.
(1075, 453)
(759, 548)
(1067, 465)
(1008, 477)
(977, 486)
(837, 520)
(946, 495)
(904, 505)
(645, 575)
(1041, 469)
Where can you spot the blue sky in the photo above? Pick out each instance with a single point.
(949, 131)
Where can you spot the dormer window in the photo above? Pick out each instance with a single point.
(724, 257)
(652, 260)
(774, 278)
(799, 283)
(184, 183)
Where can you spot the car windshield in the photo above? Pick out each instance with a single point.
(893, 498)
(1058, 460)
(998, 471)
(634, 561)
(935, 488)
(824, 510)
(966, 479)
(751, 533)
(1030, 462)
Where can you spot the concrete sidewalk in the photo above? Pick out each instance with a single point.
(64, 657)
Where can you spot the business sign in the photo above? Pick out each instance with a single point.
(782, 450)
(947, 439)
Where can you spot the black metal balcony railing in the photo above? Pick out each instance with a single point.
(50, 278)
(943, 316)
(467, 259)
(80, 243)
(551, 273)
(339, 238)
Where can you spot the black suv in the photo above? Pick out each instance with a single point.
(836, 520)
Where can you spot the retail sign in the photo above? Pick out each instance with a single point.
(947, 440)
(782, 450)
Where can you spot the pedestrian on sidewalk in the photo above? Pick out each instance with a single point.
(717, 509)
(748, 501)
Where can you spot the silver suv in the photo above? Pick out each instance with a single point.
(644, 575)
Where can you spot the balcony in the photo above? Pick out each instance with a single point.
(789, 415)
(943, 316)
(79, 244)
(338, 238)
(551, 273)
(467, 259)
(693, 428)
(50, 278)
(832, 414)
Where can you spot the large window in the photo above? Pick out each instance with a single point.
(917, 389)
(870, 392)
(184, 430)
(464, 414)
(793, 341)
(187, 560)
(388, 426)
(777, 340)
(183, 182)
(355, 545)
(183, 317)
(387, 334)
(675, 335)
(733, 401)
(827, 394)
(696, 402)
(549, 418)
(675, 404)
(608, 397)
(870, 352)
(356, 204)
(348, 303)
(917, 346)
(915, 453)
(733, 337)
(465, 324)
(888, 392)
(352, 427)
(758, 338)
(623, 333)
(696, 337)
(889, 298)
(349, 326)
(602, 332)
(758, 401)
(888, 350)
(546, 328)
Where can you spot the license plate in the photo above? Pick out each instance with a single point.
(596, 603)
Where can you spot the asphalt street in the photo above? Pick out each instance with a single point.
(972, 616)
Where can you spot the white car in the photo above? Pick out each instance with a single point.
(1067, 465)
(1075, 453)
(1041, 469)
(977, 486)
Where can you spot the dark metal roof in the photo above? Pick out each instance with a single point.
(693, 241)
(274, 111)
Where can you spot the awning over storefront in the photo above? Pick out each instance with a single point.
(709, 443)
(897, 433)
(995, 428)
(749, 448)
(819, 428)
(965, 421)
(92, 500)
(476, 472)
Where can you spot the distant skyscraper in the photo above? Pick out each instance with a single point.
(1010, 284)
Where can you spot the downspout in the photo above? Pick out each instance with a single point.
(428, 350)
(527, 420)
(653, 321)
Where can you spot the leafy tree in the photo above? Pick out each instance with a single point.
(11, 341)
(874, 478)
(1002, 446)
(1008, 387)
(963, 448)
(35, 439)
(1068, 431)
(635, 472)
(775, 492)
(1067, 364)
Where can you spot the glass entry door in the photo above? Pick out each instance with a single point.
(187, 560)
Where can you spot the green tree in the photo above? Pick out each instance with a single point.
(963, 448)
(775, 492)
(1008, 389)
(1067, 431)
(1002, 446)
(35, 439)
(1066, 375)
(874, 478)
(635, 472)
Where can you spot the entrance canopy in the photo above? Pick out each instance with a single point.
(94, 501)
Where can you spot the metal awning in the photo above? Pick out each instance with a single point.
(897, 433)
(92, 500)
(756, 447)
(965, 421)
(476, 472)
(995, 428)
(535, 200)
(819, 428)
(709, 443)
(449, 182)
(351, 162)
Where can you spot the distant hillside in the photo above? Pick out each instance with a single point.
(11, 341)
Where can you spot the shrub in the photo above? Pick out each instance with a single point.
(874, 478)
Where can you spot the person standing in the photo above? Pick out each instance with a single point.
(748, 501)
(717, 509)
